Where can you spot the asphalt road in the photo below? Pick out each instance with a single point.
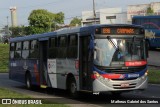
(86, 99)
(154, 58)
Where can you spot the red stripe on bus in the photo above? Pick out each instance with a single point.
(109, 76)
(36, 74)
(112, 76)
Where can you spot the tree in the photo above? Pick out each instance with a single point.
(41, 20)
(75, 21)
(18, 31)
(150, 11)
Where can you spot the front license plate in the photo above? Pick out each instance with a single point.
(125, 85)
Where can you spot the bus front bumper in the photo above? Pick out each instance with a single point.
(104, 85)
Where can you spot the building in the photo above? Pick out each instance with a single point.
(13, 16)
(141, 9)
(104, 16)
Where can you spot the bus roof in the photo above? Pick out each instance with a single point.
(143, 17)
(81, 30)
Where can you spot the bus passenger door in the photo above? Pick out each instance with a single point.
(43, 63)
(85, 64)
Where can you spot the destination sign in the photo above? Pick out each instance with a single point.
(119, 30)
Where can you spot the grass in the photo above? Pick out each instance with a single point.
(4, 93)
(4, 57)
(154, 76)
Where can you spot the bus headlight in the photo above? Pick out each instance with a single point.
(146, 73)
(97, 75)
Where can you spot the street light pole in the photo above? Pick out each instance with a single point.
(94, 12)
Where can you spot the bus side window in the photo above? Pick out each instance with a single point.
(12, 49)
(62, 50)
(18, 50)
(25, 51)
(72, 46)
(53, 48)
(34, 51)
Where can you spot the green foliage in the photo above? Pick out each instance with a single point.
(153, 76)
(19, 31)
(75, 21)
(4, 57)
(36, 30)
(41, 20)
(150, 11)
(59, 18)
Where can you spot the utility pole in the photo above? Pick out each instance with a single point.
(7, 21)
(94, 12)
(7, 27)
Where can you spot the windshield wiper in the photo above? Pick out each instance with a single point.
(116, 47)
(132, 45)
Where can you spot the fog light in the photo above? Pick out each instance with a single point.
(143, 77)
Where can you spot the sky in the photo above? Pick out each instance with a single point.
(71, 8)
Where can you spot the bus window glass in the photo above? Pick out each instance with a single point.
(62, 50)
(63, 41)
(73, 40)
(72, 48)
(34, 49)
(25, 51)
(18, 46)
(11, 54)
(17, 54)
(12, 46)
(117, 50)
(26, 45)
(18, 50)
(53, 42)
(34, 44)
(52, 52)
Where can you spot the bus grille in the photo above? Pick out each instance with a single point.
(119, 86)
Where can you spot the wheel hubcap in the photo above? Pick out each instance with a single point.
(73, 87)
(28, 83)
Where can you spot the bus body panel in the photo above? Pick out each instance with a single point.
(152, 26)
(57, 69)
(18, 73)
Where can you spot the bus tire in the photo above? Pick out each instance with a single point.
(28, 81)
(72, 88)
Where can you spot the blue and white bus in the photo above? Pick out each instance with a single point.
(152, 28)
(96, 58)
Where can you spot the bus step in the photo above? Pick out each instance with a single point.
(43, 86)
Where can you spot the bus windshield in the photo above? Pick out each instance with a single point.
(118, 50)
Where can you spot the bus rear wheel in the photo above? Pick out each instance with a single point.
(28, 81)
(72, 88)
